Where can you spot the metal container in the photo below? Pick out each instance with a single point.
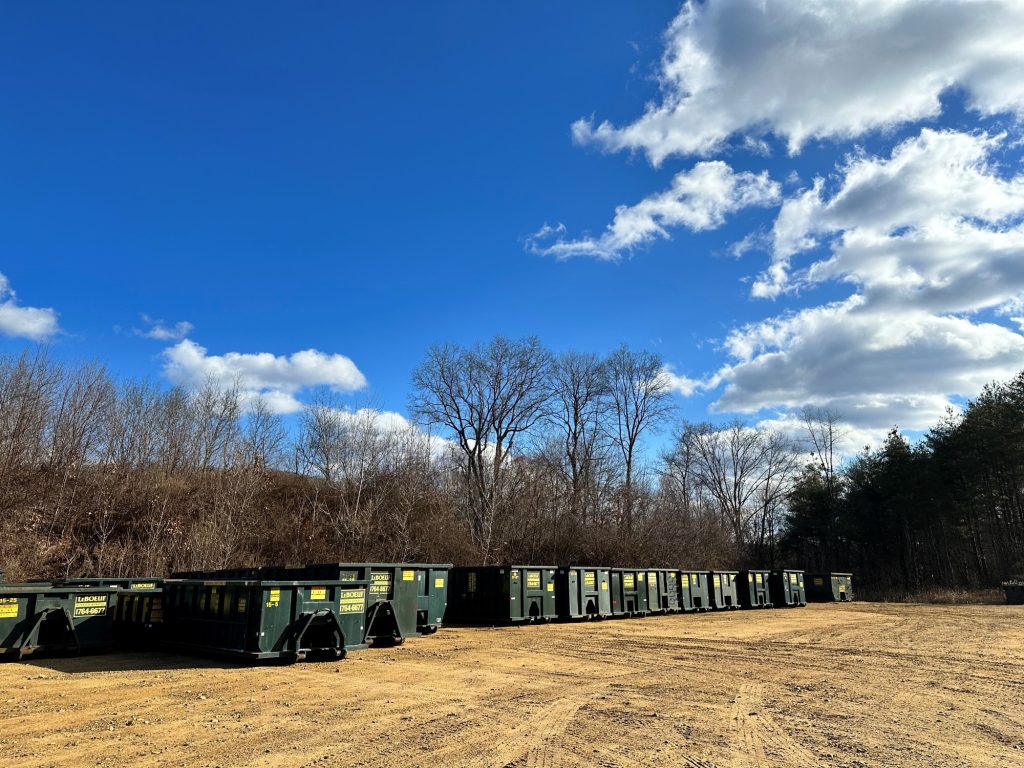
(1014, 588)
(829, 587)
(583, 593)
(753, 589)
(630, 595)
(138, 615)
(787, 588)
(265, 620)
(433, 597)
(55, 619)
(656, 601)
(393, 601)
(722, 590)
(502, 594)
(669, 591)
(694, 592)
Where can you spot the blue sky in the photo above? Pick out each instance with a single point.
(367, 181)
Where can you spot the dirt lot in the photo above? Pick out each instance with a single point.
(857, 685)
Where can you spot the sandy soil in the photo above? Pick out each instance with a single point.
(856, 685)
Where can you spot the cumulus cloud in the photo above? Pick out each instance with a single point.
(929, 239)
(924, 220)
(161, 331)
(820, 69)
(275, 378)
(680, 384)
(391, 424)
(35, 323)
(699, 199)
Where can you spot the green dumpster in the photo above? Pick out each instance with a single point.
(55, 619)
(668, 591)
(583, 593)
(630, 595)
(829, 587)
(694, 591)
(787, 589)
(753, 589)
(502, 594)
(722, 590)
(138, 616)
(392, 607)
(655, 596)
(265, 620)
(433, 597)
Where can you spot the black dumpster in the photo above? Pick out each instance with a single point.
(1014, 588)
(787, 589)
(829, 587)
(722, 590)
(55, 619)
(502, 594)
(753, 589)
(583, 593)
(265, 620)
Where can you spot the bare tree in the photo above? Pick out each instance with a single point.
(743, 470)
(640, 399)
(581, 404)
(487, 398)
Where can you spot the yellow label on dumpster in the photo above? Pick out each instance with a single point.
(380, 583)
(352, 601)
(628, 581)
(533, 579)
(640, 577)
(471, 581)
(589, 578)
(90, 605)
(318, 593)
(685, 580)
(275, 598)
(438, 583)
(604, 585)
(9, 607)
(142, 585)
(242, 604)
(409, 575)
(551, 586)
(819, 582)
(717, 580)
(792, 578)
(514, 575)
(759, 578)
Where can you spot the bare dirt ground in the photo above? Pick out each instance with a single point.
(854, 685)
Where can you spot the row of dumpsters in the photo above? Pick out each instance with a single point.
(290, 613)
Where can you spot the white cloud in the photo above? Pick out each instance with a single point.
(874, 367)
(161, 331)
(925, 220)
(35, 323)
(394, 425)
(680, 384)
(821, 69)
(928, 239)
(276, 378)
(699, 199)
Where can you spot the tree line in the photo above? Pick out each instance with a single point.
(517, 454)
